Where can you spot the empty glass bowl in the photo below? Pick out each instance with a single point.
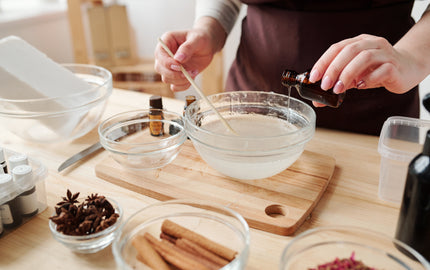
(215, 222)
(272, 130)
(139, 142)
(90, 243)
(326, 244)
(53, 119)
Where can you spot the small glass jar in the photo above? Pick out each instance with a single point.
(23, 177)
(155, 113)
(3, 164)
(10, 211)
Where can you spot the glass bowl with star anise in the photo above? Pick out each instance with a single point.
(87, 226)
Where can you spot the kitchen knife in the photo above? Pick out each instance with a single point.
(116, 134)
(86, 152)
(75, 158)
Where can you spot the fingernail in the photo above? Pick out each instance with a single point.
(338, 87)
(194, 73)
(326, 83)
(314, 76)
(179, 57)
(175, 67)
(361, 84)
(317, 104)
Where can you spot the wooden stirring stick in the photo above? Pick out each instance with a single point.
(199, 91)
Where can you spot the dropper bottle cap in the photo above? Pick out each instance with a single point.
(5, 181)
(22, 175)
(156, 102)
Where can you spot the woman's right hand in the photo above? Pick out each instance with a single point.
(193, 49)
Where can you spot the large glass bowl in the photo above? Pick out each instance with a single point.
(130, 142)
(213, 221)
(53, 119)
(326, 244)
(272, 130)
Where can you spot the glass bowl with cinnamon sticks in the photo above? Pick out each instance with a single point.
(349, 247)
(182, 234)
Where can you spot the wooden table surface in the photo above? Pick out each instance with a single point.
(350, 199)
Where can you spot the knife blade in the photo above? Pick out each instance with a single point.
(116, 134)
(76, 157)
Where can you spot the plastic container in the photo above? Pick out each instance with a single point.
(401, 139)
(19, 196)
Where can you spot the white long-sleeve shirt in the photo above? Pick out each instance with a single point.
(225, 11)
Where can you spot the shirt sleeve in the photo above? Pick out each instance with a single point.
(225, 11)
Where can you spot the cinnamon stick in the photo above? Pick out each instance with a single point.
(194, 248)
(194, 256)
(169, 238)
(173, 256)
(148, 255)
(176, 230)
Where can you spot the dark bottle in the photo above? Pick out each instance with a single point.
(155, 113)
(188, 101)
(413, 225)
(311, 91)
(3, 164)
(10, 210)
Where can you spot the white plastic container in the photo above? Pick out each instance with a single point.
(401, 139)
(15, 195)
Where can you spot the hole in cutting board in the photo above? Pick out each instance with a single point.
(276, 210)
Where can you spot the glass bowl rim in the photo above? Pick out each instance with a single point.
(116, 246)
(94, 236)
(67, 65)
(109, 143)
(345, 228)
(107, 80)
(309, 129)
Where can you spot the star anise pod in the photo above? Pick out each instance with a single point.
(94, 214)
(69, 200)
(90, 199)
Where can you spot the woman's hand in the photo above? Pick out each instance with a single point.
(363, 62)
(367, 61)
(194, 49)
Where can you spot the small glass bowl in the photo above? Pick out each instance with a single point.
(54, 119)
(214, 221)
(90, 243)
(128, 138)
(323, 245)
(273, 130)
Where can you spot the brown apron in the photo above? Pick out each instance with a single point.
(293, 34)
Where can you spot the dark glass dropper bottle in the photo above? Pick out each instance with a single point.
(311, 91)
(413, 226)
(155, 113)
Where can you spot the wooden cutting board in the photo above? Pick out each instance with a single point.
(279, 204)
